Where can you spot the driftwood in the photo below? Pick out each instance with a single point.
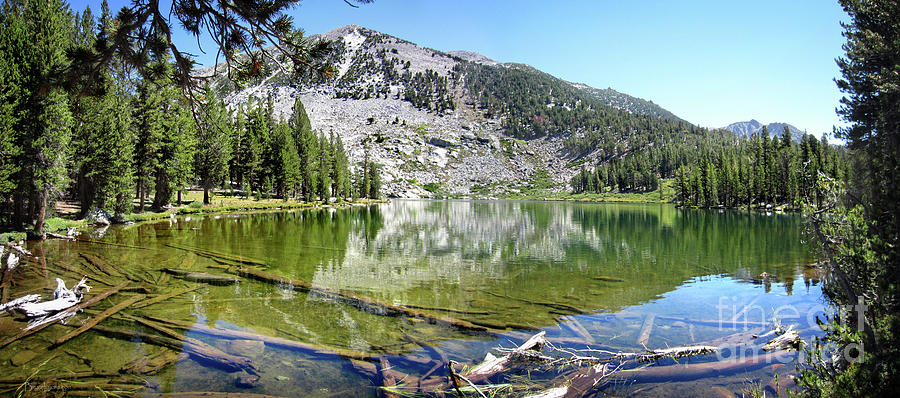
(62, 298)
(202, 277)
(31, 298)
(276, 342)
(62, 315)
(363, 303)
(493, 365)
(58, 236)
(165, 297)
(788, 339)
(539, 353)
(103, 315)
(11, 262)
(579, 384)
(202, 351)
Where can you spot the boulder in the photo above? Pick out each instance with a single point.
(98, 217)
(440, 142)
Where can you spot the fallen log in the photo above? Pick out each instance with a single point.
(62, 315)
(203, 352)
(212, 253)
(492, 365)
(58, 236)
(100, 242)
(62, 298)
(646, 328)
(30, 298)
(607, 279)
(152, 364)
(694, 371)
(79, 272)
(276, 342)
(363, 303)
(202, 277)
(788, 340)
(165, 297)
(444, 309)
(103, 315)
(723, 323)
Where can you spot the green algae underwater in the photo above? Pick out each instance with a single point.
(347, 301)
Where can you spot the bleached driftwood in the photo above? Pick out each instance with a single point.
(58, 236)
(20, 248)
(492, 364)
(63, 298)
(789, 339)
(31, 298)
(12, 261)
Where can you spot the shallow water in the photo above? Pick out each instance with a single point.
(587, 274)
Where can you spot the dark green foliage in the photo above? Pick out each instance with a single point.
(759, 171)
(164, 148)
(214, 133)
(35, 119)
(858, 224)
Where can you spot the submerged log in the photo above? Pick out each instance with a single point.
(646, 328)
(202, 351)
(152, 364)
(103, 315)
(94, 278)
(695, 371)
(276, 342)
(202, 277)
(165, 297)
(215, 254)
(363, 303)
(62, 315)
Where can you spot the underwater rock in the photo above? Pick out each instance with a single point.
(22, 358)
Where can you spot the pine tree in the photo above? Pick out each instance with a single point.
(35, 38)
(339, 169)
(324, 165)
(214, 133)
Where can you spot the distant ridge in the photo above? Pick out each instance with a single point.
(747, 128)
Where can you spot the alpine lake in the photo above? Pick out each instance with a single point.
(344, 301)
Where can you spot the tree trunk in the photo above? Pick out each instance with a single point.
(179, 197)
(41, 211)
(141, 194)
(205, 194)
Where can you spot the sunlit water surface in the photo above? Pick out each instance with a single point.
(587, 274)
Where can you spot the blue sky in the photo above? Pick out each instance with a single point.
(709, 62)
